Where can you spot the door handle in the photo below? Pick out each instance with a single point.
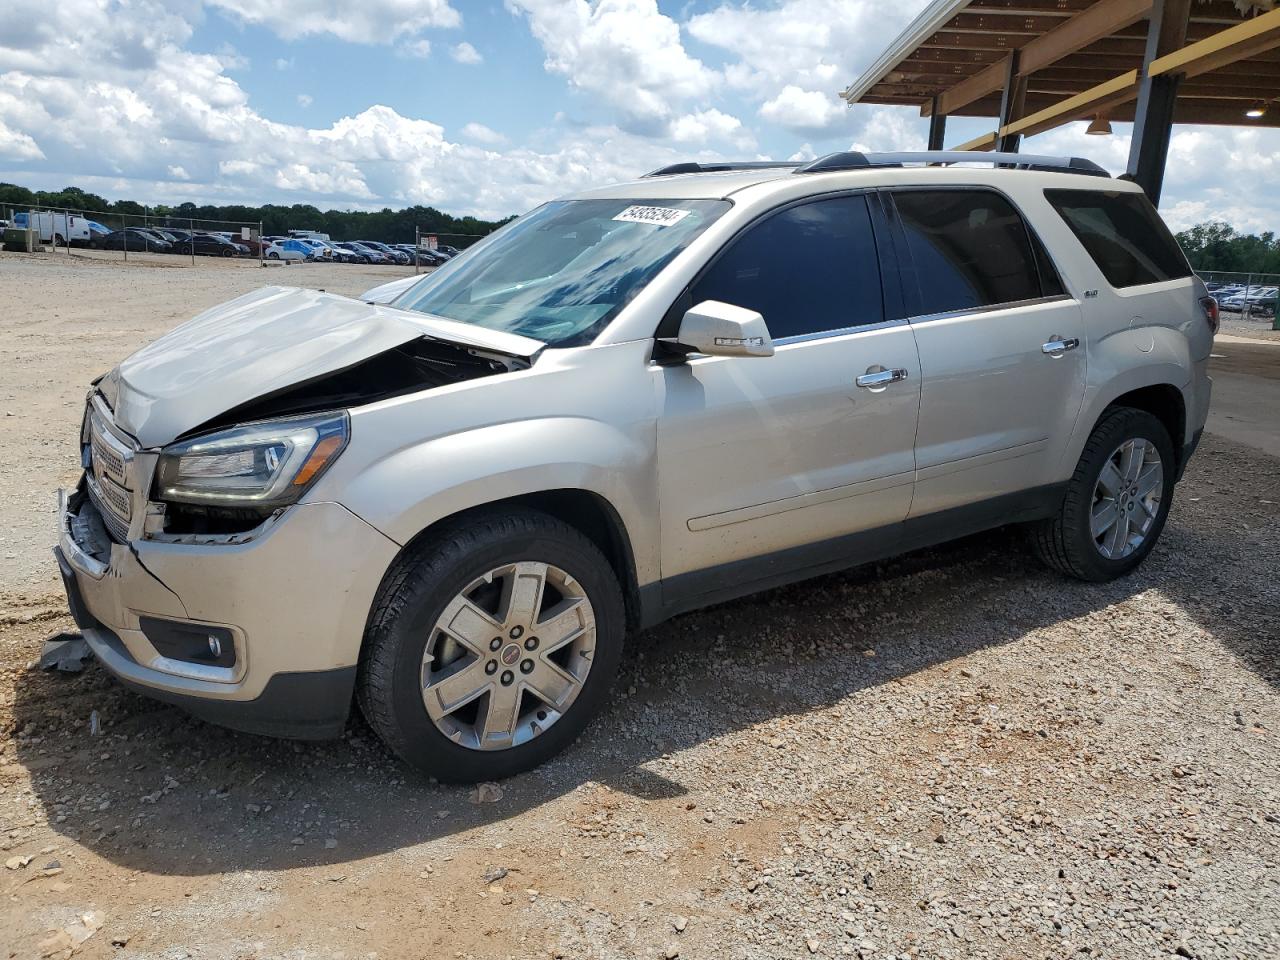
(879, 377)
(1059, 345)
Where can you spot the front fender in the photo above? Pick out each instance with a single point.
(411, 488)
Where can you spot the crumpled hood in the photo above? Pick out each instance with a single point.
(263, 342)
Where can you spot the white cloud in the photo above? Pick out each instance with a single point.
(364, 21)
(283, 64)
(482, 134)
(711, 125)
(15, 145)
(624, 52)
(804, 154)
(178, 173)
(466, 53)
(817, 45)
(418, 49)
(804, 110)
(305, 100)
(889, 129)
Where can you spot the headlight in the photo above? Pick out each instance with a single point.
(268, 464)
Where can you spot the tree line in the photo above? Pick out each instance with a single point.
(1212, 245)
(1218, 246)
(385, 225)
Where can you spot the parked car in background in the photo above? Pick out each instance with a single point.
(375, 255)
(1253, 297)
(131, 239)
(397, 256)
(287, 250)
(360, 254)
(319, 249)
(209, 245)
(426, 257)
(290, 249)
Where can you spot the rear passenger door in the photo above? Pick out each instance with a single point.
(1001, 347)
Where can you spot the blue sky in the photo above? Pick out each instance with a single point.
(483, 106)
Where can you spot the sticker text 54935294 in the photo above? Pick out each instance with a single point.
(655, 216)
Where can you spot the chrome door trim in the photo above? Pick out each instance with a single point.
(992, 308)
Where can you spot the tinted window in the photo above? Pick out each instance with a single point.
(969, 247)
(806, 269)
(1123, 234)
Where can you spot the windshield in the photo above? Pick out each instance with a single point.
(562, 272)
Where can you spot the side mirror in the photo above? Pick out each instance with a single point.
(723, 330)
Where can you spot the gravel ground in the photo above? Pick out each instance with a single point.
(1236, 324)
(856, 766)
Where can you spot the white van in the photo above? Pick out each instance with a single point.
(62, 229)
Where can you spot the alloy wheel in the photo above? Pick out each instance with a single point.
(1126, 498)
(508, 656)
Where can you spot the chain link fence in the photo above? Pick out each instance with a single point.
(180, 240)
(1255, 296)
(107, 235)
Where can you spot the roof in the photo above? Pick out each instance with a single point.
(856, 170)
(958, 51)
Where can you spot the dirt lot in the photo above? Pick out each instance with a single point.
(955, 754)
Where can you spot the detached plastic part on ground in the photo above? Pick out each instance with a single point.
(66, 653)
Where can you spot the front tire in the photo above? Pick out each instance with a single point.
(490, 646)
(1116, 502)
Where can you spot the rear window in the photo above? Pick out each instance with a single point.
(1123, 234)
(970, 249)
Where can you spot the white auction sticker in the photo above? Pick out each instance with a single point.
(657, 216)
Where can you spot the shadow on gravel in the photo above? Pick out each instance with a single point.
(164, 793)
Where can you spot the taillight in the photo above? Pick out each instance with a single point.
(1210, 308)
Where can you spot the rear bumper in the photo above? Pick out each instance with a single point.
(291, 603)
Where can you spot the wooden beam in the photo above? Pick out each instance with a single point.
(1093, 24)
(1124, 87)
(1099, 21)
(1260, 34)
(985, 142)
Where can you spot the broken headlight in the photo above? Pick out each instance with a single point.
(264, 465)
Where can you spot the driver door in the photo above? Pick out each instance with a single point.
(773, 465)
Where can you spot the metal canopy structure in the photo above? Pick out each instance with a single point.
(1032, 65)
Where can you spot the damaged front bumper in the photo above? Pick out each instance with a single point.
(261, 635)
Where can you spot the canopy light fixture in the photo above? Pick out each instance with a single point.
(1099, 126)
(1259, 109)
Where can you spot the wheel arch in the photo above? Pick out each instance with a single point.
(1154, 390)
(587, 511)
(1166, 403)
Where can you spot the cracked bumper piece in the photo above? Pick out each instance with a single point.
(291, 601)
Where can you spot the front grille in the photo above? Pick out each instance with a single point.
(110, 463)
(117, 528)
(110, 475)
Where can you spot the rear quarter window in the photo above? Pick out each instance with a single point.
(1123, 234)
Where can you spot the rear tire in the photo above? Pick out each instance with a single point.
(448, 577)
(1077, 541)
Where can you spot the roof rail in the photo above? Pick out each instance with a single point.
(855, 160)
(718, 167)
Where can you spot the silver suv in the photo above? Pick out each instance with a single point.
(634, 402)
